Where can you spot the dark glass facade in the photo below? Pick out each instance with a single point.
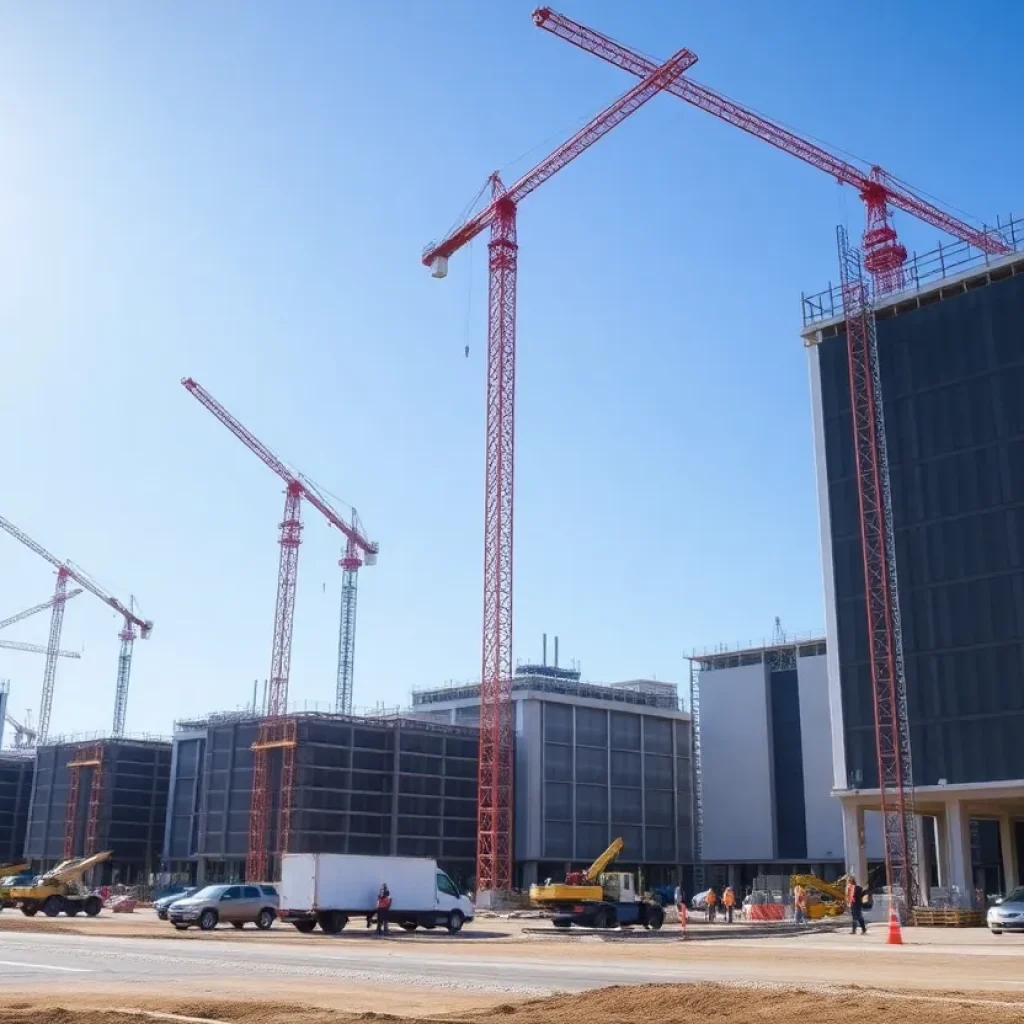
(16, 774)
(953, 387)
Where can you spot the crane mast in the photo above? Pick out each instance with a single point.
(350, 564)
(494, 824)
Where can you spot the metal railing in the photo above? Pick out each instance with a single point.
(920, 270)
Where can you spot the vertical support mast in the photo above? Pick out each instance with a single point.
(494, 852)
(284, 611)
(52, 653)
(347, 629)
(884, 632)
(124, 671)
(698, 780)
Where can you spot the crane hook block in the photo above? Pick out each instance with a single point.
(439, 267)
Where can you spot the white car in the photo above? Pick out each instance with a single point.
(1008, 913)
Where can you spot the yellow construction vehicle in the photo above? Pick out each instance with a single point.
(60, 890)
(8, 877)
(835, 892)
(596, 898)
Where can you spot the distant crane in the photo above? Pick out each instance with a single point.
(66, 571)
(36, 608)
(17, 645)
(24, 735)
(278, 732)
(350, 564)
(494, 850)
(884, 256)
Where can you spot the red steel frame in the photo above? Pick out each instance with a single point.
(280, 733)
(494, 841)
(883, 254)
(888, 682)
(85, 756)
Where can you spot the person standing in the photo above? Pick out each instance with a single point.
(712, 900)
(800, 904)
(383, 906)
(728, 902)
(858, 895)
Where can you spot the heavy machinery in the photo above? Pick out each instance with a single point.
(60, 890)
(834, 903)
(8, 873)
(596, 898)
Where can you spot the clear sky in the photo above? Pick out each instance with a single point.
(239, 192)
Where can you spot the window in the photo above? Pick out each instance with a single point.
(234, 892)
(445, 885)
(252, 892)
(268, 890)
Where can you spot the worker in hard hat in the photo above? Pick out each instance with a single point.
(383, 906)
(728, 902)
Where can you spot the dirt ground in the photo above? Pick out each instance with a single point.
(670, 1004)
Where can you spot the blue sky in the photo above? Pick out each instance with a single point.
(239, 192)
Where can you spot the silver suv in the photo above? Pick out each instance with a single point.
(237, 905)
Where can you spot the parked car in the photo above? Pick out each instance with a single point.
(162, 905)
(237, 905)
(1008, 913)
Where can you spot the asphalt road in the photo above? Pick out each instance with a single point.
(37, 960)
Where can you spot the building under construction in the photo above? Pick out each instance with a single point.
(951, 368)
(332, 783)
(592, 762)
(105, 794)
(16, 771)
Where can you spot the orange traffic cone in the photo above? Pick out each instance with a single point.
(895, 936)
(682, 919)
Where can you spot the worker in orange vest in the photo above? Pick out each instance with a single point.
(383, 906)
(728, 901)
(712, 901)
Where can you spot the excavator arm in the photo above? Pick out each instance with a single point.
(72, 870)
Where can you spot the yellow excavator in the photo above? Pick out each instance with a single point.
(596, 898)
(60, 890)
(834, 903)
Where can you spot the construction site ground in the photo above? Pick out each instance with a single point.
(92, 971)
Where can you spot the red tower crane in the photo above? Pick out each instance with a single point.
(494, 840)
(278, 733)
(66, 571)
(884, 256)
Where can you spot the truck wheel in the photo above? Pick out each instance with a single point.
(53, 906)
(560, 923)
(601, 919)
(72, 909)
(30, 909)
(304, 926)
(655, 919)
(331, 921)
(456, 920)
(208, 920)
(409, 926)
(265, 919)
(93, 905)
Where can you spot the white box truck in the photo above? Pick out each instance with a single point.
(327, 889)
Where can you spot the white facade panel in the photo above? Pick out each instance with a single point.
(825, 538)
(736, 765)
(823, 812)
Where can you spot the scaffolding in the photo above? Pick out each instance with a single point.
(275, 734)
(88, 755)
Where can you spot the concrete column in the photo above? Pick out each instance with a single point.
(924, 859)
(958, 848)
(734, 879)
(853, 842)
(1008, 852)
(941, 849)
